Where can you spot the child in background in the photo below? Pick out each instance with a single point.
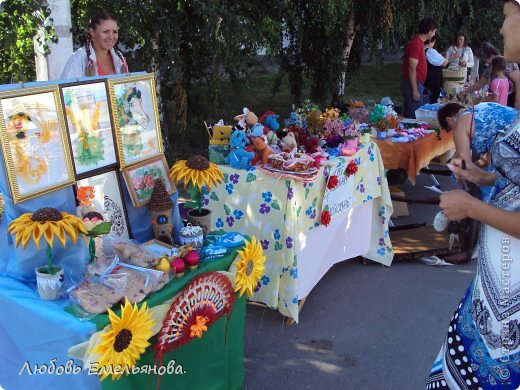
(499, 86)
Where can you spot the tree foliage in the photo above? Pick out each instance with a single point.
(20, 21)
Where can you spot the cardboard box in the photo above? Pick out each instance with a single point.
(400, 208)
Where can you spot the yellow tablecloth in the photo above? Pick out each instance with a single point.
(277, 210)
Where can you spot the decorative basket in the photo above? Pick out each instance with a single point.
(217, 153)
(453, 80)
(191, 235)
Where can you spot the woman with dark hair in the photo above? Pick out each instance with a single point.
(482, 347)
(460, 53)
(487, 53)
(98, 57)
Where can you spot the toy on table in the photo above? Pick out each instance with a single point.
(238, 157)
(263, 151)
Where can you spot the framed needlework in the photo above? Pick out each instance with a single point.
(102, 193)
(139, 179)
(89, 125)
(136, 119)
(34, 142)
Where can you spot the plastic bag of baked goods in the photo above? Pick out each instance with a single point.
(129, 251)
(133, 282)
(93, 297)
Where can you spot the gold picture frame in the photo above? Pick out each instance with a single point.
(90, 127)
(139, 179)
(136, 118)
(34, 142)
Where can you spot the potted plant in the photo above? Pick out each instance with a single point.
(351, 134)
(47, 222)
(199, 175)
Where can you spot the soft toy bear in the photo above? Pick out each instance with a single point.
(289, 141)
(238, 157)
(262, 150)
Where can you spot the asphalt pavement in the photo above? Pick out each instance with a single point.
(363, 326)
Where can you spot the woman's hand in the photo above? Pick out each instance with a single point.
(455, 204)
(466, 170)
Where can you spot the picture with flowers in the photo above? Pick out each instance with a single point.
(140, 177)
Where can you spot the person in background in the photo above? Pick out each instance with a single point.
(98, 57)
(414, 68)
(460, 53)
(487, 53)
(499, 86)
(435, 63)
(482, 347)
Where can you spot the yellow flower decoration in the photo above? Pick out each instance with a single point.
(198, 171)
(250, 267)
(47, 222)
(125, 340)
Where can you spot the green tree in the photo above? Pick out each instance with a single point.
(189, 43)
(20, 21)
(326, 38)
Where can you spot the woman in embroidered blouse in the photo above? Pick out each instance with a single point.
(460, 53)
(482, 347)
(98, 57)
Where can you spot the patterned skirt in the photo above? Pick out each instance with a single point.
(464, 361)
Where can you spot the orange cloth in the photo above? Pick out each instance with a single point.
(413, 156)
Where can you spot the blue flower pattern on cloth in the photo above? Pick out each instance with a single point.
(238, 214)
(220, 223)
(490, 118)
(266, 196)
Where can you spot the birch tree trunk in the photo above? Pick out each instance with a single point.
(351, 34)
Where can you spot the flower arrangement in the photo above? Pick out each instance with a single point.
(351, 130)
(199, 175)
(125, 339)
(359, 114)
(46, 222)
(249, 268)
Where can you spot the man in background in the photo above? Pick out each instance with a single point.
(414, 69)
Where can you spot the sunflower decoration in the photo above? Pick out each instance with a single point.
(47, 222)
(197, 173)
(250, 267)
(125, 339)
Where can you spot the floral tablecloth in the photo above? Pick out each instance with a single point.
(276, 210)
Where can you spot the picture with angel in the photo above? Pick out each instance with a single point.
(34, 142)
(89, 126)
(136, 118)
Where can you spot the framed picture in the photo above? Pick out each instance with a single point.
(139, 179)
(89, 125)
(136, 120)
(34, 142)
(102, 193)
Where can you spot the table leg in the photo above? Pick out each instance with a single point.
(290, 321)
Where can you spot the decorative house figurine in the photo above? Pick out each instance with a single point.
(161, 207)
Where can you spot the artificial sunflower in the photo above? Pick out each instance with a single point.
(47, 222)
(125, 340)
(250, 267)
(198, 171)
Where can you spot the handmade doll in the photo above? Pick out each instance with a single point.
(238, 157)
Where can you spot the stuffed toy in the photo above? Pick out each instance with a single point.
(269, 120)
(241, 118)
(289, 141)
(262, 150)
(238, 157)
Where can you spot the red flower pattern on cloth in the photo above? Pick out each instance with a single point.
(352, 168)
(333, 182)
(325, 217)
